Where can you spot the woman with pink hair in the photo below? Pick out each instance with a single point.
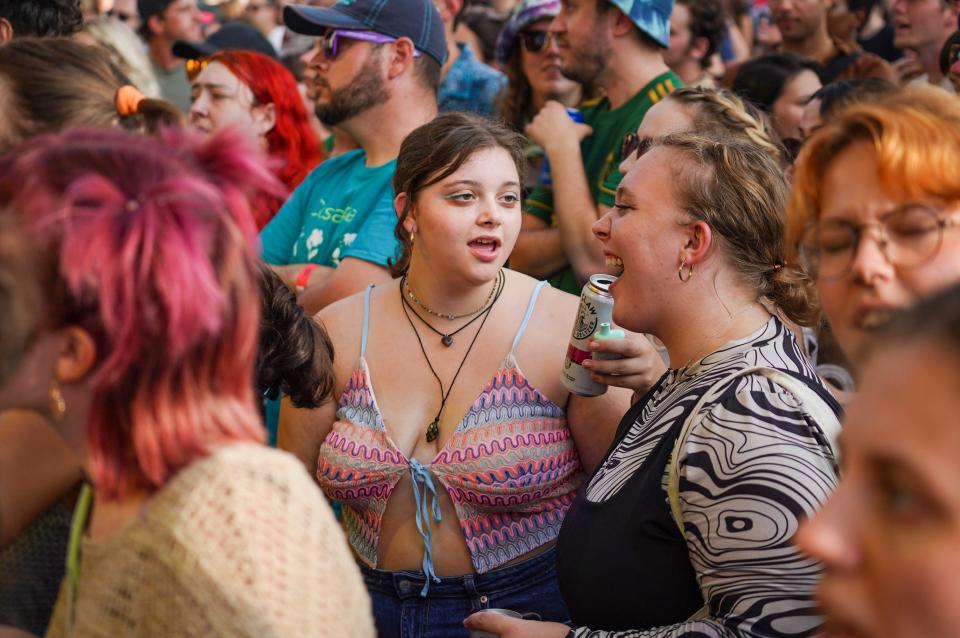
(145, 250)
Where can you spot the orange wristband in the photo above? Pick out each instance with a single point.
(304, 277)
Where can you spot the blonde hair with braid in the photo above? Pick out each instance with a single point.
(721, 112)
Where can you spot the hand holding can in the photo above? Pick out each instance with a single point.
(596, 308)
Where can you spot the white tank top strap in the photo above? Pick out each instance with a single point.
(526, 316)
(366, 321)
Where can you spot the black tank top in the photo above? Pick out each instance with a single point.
(622, 563)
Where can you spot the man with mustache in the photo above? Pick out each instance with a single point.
(375, 77)
(616, 46)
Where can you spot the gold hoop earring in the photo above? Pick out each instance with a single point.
(683, 264)
(58, 407)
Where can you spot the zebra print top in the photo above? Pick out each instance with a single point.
(752, 467)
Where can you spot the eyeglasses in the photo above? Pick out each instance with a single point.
(908, 237)
(633, 143)
(535, 41)
(329, 42)
(195, 67)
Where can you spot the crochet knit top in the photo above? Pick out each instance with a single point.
(511, 468)
(238, 544)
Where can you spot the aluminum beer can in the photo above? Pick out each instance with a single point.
(545, 178)
(596, 307)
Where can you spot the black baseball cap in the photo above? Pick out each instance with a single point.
(233, 35)
(418, 20)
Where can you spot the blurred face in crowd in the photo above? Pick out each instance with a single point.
(915, 253)
(126, 11)
(799, 20)
(842, 23)
(889, 538)
(787, 112)
(181, 21)
(581, 37)
(220, 100)
(262, 14)
(684, 48)
(543, 68)
(665, 117)
(681, 39)
(351, 83)
(923, 25)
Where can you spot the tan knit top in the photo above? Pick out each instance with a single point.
(239, 544)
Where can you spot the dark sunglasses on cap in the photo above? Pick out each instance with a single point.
(633, 143)
(329, 42)
(535, 41)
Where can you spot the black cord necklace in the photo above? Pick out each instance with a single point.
(446, 338)
(433, 429)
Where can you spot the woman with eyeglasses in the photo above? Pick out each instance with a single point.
(527, 53)
(686, 527)
(258, 96)
(874, 210)
(144, 255)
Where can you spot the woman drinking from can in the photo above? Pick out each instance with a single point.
(686, 528)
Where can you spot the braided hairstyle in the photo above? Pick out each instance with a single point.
(720, 111)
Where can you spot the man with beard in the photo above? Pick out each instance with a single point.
(375, 77)
(616, 46)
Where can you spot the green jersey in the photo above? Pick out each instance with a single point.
(601, 157)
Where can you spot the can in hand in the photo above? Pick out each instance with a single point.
(596, 308)
(545, 177)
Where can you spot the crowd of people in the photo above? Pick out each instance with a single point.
(288, 289)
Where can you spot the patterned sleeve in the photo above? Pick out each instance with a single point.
(751, 470)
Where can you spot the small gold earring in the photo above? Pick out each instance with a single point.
(683, 264)
(58, 407)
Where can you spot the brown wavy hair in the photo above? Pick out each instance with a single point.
(739, 189)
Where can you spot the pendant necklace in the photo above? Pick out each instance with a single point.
(446, 338)
(433, 428)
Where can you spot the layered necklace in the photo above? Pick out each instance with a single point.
(446, 338)
(433, 428)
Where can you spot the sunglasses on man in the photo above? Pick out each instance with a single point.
(330, 42)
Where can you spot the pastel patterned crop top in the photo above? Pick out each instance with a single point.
(510, 468)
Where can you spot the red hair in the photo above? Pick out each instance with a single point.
(291, 140)
(149, 245)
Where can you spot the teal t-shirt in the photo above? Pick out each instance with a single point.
(343, 208)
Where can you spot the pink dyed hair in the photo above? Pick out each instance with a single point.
(150, 246)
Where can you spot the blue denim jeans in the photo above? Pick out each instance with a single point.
(400, 612)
